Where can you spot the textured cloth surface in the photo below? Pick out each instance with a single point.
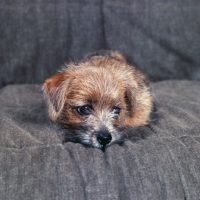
(161, 37)
(156, 162)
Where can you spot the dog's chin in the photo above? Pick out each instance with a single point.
(96, 144)
(89, 139)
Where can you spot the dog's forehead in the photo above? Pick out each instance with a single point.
(95, 86)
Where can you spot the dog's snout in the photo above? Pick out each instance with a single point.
(104, 137)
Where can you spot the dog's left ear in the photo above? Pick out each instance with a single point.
(54, 90)
(138, 105)
(129, 100)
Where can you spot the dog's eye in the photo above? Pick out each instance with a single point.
(116, 110)
(84, 110)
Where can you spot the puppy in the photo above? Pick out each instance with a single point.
(98, 98)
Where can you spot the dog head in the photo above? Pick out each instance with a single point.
(97, 103)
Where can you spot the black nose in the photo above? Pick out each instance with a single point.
(104, 137)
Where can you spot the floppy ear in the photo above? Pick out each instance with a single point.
(139, 105)
(54, 90)
(129, 100)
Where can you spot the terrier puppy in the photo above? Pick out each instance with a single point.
(98, 98)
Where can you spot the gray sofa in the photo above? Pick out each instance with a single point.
(158, 162)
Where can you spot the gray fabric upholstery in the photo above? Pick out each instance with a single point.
(156, 162)
(161, 37)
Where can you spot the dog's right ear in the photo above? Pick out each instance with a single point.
(54, 90)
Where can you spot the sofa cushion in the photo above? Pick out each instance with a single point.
(160, 161)
(37, 37)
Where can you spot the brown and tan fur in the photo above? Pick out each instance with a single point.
(101, 95)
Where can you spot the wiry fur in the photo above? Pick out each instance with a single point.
(102, 82)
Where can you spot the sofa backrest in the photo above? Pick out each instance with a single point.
(160, 37)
